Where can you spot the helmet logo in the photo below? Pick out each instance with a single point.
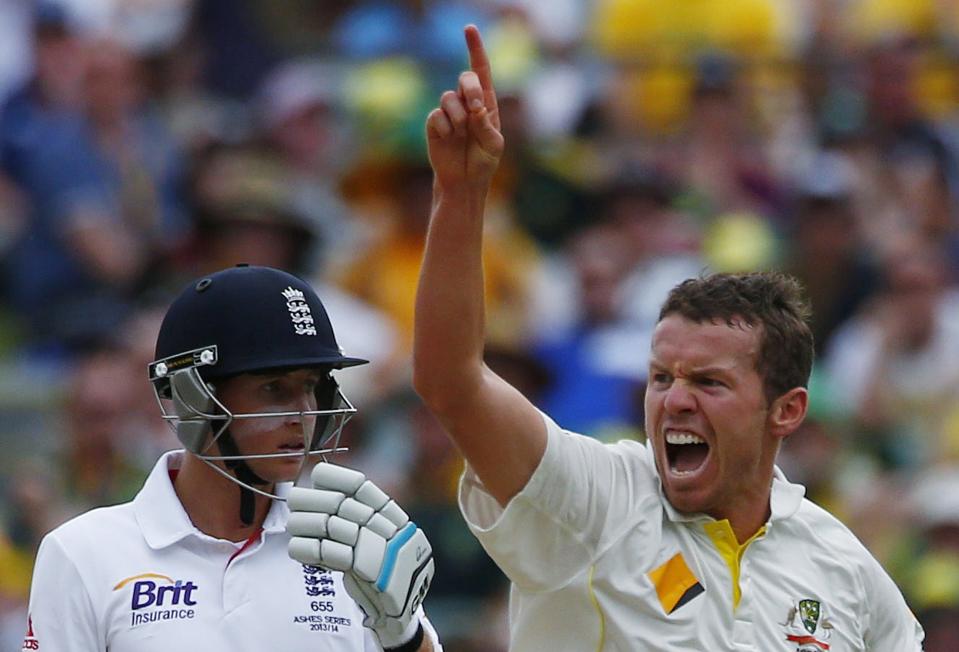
(300, 313)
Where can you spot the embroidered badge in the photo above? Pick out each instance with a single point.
(299, 312)
(808, 627)
(318, 582)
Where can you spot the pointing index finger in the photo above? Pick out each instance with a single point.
(479, 63)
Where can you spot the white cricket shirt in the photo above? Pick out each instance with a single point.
(139, 577)
(600, 560)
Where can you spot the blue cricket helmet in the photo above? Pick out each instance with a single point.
(253, 319)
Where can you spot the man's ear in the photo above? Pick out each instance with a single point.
(788, 411)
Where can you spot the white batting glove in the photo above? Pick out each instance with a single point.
(347, 523)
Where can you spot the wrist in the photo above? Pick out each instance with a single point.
(463, 190)
(413, 635)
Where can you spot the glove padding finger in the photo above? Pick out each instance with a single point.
(301, 499)
(305, 550)
(307, 524)
(339, 529)
(336, 478)
(395, 513)
(321, 552)
(354, 510)
(382, 526)
(370, 494)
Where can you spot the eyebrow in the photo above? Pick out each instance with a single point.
(714, 369)
(696, 371)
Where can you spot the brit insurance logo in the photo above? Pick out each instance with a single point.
(155, 597)
(808, 626)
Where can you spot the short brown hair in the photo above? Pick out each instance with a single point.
(771, 300)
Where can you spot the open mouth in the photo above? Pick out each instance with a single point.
(685, 452)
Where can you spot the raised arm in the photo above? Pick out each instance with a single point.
(497, 429)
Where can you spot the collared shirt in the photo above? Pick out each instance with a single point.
(600, 560)
(141, 577)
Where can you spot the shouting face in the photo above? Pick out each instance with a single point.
(713, 432)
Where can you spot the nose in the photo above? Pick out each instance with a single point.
(679, 399)
(293, 418)
(304, 402)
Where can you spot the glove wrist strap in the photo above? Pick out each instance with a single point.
(414, 643)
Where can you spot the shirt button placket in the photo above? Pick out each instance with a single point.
(744, 632)
(232, 592)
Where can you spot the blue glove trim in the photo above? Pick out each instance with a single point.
(392, 550)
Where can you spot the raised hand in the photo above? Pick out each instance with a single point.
(346, 523)
(463, 132)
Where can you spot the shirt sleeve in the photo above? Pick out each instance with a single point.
(892, 627)
(61, 613)
(579, 499)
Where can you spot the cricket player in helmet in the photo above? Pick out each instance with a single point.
(243, 372)
(246, 320)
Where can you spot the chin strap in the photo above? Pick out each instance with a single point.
(243, 473)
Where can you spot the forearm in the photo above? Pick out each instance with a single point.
(449, 331)
(497, 429)
(494, 426)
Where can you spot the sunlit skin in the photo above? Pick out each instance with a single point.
(703, 381)
(213, 501)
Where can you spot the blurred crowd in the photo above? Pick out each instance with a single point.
(144, 143)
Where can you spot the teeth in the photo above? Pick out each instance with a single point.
(683, 438)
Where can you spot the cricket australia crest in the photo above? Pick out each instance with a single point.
(808, 626)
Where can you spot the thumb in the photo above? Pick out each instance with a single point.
(486, 134)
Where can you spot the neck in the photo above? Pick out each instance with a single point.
(754, 509)
(746, 525)
(213, 502)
